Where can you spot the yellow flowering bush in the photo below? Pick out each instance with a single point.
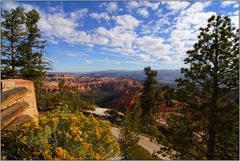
(60, 136)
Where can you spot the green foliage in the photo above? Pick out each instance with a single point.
(100, 97)
(168, 95)
(128, 132)
(139, 153)
(60, 136)
(31, 51)
(12, 35)
(22, 50)
(207, 127)
(65, 99)
(150, 99)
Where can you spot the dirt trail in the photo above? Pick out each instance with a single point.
(144, 142)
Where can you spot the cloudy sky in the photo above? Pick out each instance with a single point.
(93, 36)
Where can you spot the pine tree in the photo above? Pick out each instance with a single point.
(128, 132)
(208, 125)
(12, 34)
(150, 99)
(31, 51)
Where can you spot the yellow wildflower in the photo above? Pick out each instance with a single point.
(95, 121)
(68, 135)
(55, 119)
(60, 152)
(86, 146)
(48, 157)
(97, 133)
(78, 139)
(76, 131)
(97, 157)
(85, 135)
(109, 138)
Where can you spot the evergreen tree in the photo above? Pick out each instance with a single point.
(208, 125)
(128, 132)
(31, 49)
(12, 34)
(150, 99)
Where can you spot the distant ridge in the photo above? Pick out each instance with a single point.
(165, 76)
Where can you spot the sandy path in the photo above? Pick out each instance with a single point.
(144, 142)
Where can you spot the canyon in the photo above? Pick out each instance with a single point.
(90, 84)
(112, 92)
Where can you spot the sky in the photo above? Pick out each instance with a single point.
(87, 36)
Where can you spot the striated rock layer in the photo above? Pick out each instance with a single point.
(28, 95)
(90, 84)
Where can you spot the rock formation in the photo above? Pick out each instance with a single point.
(18, 102)
(90, 84)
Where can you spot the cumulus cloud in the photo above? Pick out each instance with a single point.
(152, 45)
(186, 28)
(152, 5)
(144, 57)
(135, 4)
(126, 21)
(9, 5)
(78, 14)
(111, 6)
(99, 16)
(229, 3)
(177, 5)
(143, 12)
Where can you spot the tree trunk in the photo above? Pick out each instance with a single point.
(13, 62)
(212, 117)
(211, 140)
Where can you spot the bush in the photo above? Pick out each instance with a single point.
(139, 153)
(70, 101)
(60, 136)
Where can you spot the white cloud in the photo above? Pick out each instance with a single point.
(73, 54)
(9, 5)
(88, 62)
(144, 57)
(135, 5)
(126, 21)
(235, 18)
(177, 5)
(79, 13)
(99, 16)
(152, 5)
(236, 5)
(143, 12)
(152, 46)
(52, 41)
(111, 6)
(186, 28)
(229, 3)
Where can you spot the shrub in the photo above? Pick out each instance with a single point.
(139, 153)
(60, 136)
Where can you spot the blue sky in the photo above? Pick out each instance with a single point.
(123, 35)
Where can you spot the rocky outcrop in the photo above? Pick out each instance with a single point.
(91, 84)
(18, 102)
